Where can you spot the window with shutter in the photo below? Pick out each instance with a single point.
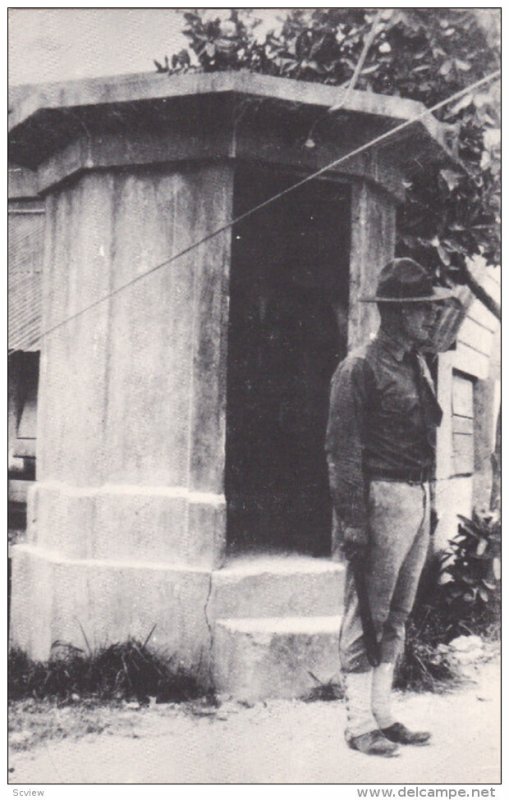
(462, 424)
(26, 380)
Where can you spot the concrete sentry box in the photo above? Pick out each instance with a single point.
(180, 472)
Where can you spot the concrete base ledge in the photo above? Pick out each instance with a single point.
(254, 659)
(55, 597)
(168, 524)
(266, 654)
(277, 586)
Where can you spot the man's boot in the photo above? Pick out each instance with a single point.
(362, 732)
(396, 732)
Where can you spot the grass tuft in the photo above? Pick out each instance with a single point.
(122, 671)
(324, 692)
(426, 664)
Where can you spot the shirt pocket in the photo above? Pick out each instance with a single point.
(400, 404)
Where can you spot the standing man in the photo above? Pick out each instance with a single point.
(380, 452)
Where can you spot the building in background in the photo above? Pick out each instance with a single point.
(26, 242)
(468, 387)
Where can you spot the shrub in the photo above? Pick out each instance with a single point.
(470, 584)
(459, 594)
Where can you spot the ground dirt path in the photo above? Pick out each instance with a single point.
(279, 742)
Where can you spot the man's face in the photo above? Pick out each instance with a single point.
(418, 320)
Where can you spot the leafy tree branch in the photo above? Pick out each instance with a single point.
(450, 214)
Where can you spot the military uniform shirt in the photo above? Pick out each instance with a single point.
(382, 419)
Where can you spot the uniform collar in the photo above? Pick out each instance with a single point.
(392, 346)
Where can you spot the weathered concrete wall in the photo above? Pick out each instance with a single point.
(109, 601)
(372, 245)
(132, 407)
(132, 391)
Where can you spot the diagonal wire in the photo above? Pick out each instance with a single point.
(357, 71)
(362, 148)
(350, 85)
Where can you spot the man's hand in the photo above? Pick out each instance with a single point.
(355, 542)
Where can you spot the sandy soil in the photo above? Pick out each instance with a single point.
(277, 742)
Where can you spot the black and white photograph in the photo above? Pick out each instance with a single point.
(254, 398)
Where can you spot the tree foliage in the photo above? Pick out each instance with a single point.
(450, 214)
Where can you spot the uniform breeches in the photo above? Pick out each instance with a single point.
(398, 543)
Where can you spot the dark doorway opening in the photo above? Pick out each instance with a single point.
(287, 332)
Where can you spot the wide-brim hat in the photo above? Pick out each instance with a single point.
(403, 280)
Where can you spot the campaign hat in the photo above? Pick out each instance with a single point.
(403, 280)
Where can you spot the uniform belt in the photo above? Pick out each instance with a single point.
(408, 475)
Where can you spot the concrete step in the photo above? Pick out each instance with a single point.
(258, 658)
(277, 586)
